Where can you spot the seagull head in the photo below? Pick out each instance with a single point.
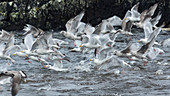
(144, 41)
(7, 73)
(63, 32)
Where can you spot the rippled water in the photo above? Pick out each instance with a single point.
(139, 80)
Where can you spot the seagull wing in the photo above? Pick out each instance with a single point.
(68, 25)
(128, 26)
(155, 20)
(9, 43)
(89, 29)
(135, 7)
(104, 53)
(57, 62)
(28, 41)
(152, 9)
(153, 53)
(115, 21)
(147, 29)
(30, 29)
(127, 49)
(12, 49)
(147, 46)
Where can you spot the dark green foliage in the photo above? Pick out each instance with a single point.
(48, 14)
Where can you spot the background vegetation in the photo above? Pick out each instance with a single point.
(52, 14)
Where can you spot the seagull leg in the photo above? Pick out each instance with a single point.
(30, 62)
(130, 58)
(1, 89)
(8, 63)
(145, 63)
(49, 58)
(74, 43)
(122, 72)
(63, 46)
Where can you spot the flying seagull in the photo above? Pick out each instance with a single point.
(17, 77)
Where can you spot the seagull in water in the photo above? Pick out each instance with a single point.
(17, 77)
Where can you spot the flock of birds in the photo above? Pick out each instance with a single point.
(98, 41)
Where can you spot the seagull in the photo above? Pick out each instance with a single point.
(4, 36)
(142, 52)
(166, 43)
(126, 27)
(154, 52)
(28, 43)
(148, 13)
(77, 43)
(42, 45)
(148, 30)
(104, 27)
(7, 49)
(102, 57)
(38, 59)
(105, 56)
(133, 14)
(125, 52)
(150, 33)
(59, 42)
(36, 32)
(115, 20)
(57, 64)
(90, 41)
(17, 77)
(86, 29)
(155, 20)
(71, 27)
(21, 54)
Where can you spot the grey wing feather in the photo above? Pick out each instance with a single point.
(147, 46)
(127, 49)
(98, 29)
(135, 7)
(155, 20)
(152, 9)
(128, 26)
(9, 43)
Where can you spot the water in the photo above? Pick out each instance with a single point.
(83, 79)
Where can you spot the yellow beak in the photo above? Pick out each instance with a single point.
(13, 54)
(90, 59)
(80, 45)
(138, 40)
(22, 51)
